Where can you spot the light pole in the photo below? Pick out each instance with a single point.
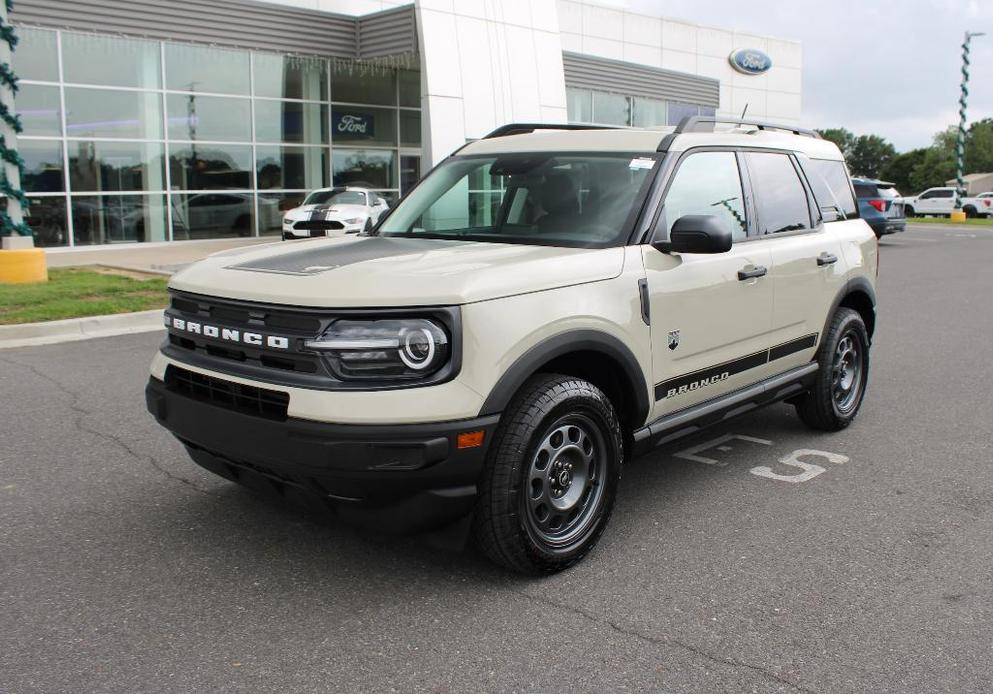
(958, 214)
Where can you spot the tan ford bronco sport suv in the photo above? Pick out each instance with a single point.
(547, 303)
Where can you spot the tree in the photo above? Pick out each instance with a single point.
(841, 137)
(899, 169)
(868, 155)
(938, 164)
(979, 147)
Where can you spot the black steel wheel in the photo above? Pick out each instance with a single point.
(840, 383)
(846, 372)
(564, 486)
(551, 476)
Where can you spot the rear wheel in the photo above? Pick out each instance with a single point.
(970, 212)
(551, 476)
(837, 394)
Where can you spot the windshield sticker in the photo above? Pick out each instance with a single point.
(641, 163)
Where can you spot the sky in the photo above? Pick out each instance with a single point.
(885, 67)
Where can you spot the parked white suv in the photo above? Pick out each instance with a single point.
(547, 303)
(334, 212)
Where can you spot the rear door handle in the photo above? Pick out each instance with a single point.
(826, 258)
(750, 271)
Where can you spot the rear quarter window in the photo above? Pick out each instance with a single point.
(780, 198)
(831, 185)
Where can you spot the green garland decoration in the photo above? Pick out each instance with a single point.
(8, 154)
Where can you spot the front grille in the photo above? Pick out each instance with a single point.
(259, 402)
(318, 224)
(304, 364)
(258, 316)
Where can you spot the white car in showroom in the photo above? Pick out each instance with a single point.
(334, 212)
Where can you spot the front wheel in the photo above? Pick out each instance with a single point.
(908, 212)
(837, 394)
(551, 476)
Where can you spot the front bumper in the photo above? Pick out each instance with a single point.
(308, 229)
(403, 476)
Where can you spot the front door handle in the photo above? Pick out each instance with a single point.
(750, 271)
(826, 258)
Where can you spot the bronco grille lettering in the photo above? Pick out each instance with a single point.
(230, 335)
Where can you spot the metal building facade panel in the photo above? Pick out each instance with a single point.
(603, 74)
(232, 23)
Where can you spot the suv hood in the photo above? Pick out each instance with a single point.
(381, 271)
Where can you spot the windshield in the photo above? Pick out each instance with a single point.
(335, 197)
(579, 200)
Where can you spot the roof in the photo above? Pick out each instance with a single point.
(646, 140)
(330, 189)
(873, 181)
(972, 177)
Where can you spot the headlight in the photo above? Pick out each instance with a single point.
(388, 349)
(357, 220)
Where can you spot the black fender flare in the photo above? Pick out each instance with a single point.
(853, 285)
(564, 343)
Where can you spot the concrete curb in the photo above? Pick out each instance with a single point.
(73, 329)
(143, 269)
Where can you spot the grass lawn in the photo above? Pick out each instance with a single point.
(78, 292)
(984, 222)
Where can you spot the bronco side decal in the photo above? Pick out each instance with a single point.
(721, 372)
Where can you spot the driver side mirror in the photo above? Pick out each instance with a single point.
(697, 233)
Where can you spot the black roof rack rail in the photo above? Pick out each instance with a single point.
(690, 124)
(524, 128)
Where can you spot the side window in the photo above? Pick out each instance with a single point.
(944, 194)
(928, 194)
(780, 198)
(832, 188)
(707, 183)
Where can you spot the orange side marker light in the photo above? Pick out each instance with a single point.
(471, 439)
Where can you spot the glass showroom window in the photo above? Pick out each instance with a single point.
(579, 105)
(129, 140)
(587, 106)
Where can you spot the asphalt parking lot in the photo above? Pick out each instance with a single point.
(123, 567)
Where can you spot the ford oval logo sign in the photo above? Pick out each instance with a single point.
(750, 61)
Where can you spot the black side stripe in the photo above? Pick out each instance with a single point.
(793, 346)
(714, 374)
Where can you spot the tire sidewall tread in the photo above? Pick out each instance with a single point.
(499, 527)
(817, 408)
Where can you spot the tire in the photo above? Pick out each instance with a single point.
(970, 212)
(908, 211)
(551, 475)
(844, 359)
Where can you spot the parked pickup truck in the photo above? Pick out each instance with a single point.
(941, 201)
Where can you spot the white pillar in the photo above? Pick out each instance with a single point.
(484, 66)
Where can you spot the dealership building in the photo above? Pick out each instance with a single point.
(157, 121)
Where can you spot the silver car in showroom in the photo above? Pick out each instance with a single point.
(334, 212)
